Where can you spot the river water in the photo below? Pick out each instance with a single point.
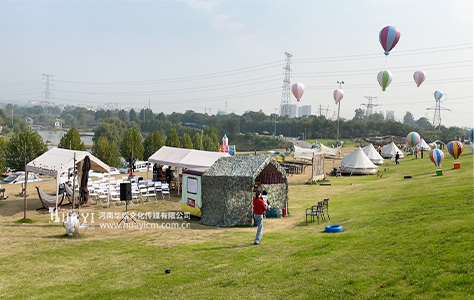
(54, 136)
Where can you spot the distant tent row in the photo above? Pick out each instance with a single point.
(357, 162)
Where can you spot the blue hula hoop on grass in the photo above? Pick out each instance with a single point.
(333, 228)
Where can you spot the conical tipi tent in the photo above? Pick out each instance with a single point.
(357, 162)
(390, 150)
(424, 145)
(373, 154)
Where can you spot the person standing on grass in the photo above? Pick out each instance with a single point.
(259, 209)
(397, 157)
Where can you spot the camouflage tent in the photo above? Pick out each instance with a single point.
(228, 188)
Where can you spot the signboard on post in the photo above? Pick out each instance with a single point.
(318, 167)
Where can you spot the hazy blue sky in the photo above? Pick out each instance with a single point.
(181, 55)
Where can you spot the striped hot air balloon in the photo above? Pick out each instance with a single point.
(297, 89)
(384, 78)
(388, 38)
(338, 94)
(436, 157)
(455, 149)
(438, 95)
(413, 138)
(419, 77)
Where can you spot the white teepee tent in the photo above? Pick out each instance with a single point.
(390, 150)
(357, 162)
(424, 145)
(373, 154)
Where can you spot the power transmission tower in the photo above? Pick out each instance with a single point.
(323, 109)
(47, 92)
(437, 113)
(285, 94)
(369, 105)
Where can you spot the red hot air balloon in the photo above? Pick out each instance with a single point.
(388, 38)
(297, 89)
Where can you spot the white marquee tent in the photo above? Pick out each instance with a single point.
(357, 162)
(373, 154)
(58, 160)
(186, 158)
(390, 150)
(307, 153)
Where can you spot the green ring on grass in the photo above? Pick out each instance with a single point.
(333, 228)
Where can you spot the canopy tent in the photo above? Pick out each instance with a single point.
(330, 151)
(305, 152)
(423, 145)
(308, 153)
(373, 154)
(390, 150)
(186, 158)
(58, 160)
(357, 162)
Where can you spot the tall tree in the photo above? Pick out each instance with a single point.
(186, 141)
(72, 140)
(107, 151)
(113, 129)
(408, 119)
(131, 140)
(152, 143)
(197, 141)
(132, 115)
(15, 151)
(390, 116)
(3, 149)
(172, 140)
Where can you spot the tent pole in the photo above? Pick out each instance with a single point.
(74, 182)
(177, 187)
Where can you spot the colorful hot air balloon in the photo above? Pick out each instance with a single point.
(438, 95)
(338, 95)
(455, 149)
(436, 157)
(384, 78)
(419, 77)
(413, 138)
(297, 89)
(388, 38)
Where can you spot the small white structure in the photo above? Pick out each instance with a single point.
(423, 145)
(357, 162)
(373, 154)
(390, 150)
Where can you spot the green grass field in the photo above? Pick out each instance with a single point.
(402, 239)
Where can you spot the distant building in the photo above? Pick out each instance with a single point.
(290, 108)
(58, 124)
(304, 110)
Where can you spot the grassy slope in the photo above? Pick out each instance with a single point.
(402, 239)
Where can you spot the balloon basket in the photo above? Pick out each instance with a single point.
(472, 151)
(439, 172)
(457, 165)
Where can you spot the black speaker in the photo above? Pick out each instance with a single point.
(125, 191)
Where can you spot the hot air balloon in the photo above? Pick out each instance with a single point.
(436, 157)
(438, 95)
(388, 38)
(413, 138)
(297, 89)
(338, 95)
(455, 149)
(384, 78)
(419, 77)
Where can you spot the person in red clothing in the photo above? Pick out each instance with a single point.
(259, 209)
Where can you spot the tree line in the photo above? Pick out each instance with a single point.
(117, 132)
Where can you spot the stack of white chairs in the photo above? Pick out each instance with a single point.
(151, 191)
(165, 191)
(144, 193)
(115, 196)
(158, 188)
